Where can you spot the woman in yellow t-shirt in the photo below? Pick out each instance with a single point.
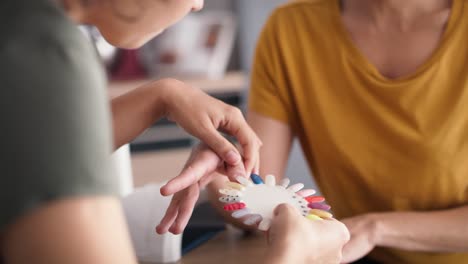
(376, 92)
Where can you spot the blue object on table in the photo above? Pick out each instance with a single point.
(256, 178)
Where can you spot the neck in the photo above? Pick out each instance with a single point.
(403, 11)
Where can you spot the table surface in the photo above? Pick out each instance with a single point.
(228, 247)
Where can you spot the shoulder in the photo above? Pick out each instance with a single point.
(36, 20)
(37, 36)
(304, 16)
(311, 8)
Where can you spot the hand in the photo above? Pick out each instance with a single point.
(201, 167)
(295, 239)
(203, 116)
(363, 237)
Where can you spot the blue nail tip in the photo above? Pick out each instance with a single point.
(256, 178)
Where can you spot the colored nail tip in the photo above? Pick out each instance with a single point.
(295, 187)
(240, 213)
(234, 206)
(256, 178)
(284, 182)
(320, 206)
(321, 213)
(315, 199)
(270, 180)
(306, 192)
(313, 217)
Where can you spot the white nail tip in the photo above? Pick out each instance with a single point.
(270, 180)
(240, 213)
(244, 181)
(296, 187)
(230, 192)
(306, 192)
(264, 225)
(229, 199)
(253, 219)
(285, 182)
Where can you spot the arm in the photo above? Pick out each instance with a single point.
(79, 230)
(277, 139)
(438, 231)
(193, 110)
(134, 112)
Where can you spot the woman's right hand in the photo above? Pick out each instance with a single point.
(293, 238)
(204, 116)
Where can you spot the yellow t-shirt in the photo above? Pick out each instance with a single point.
(374, 144)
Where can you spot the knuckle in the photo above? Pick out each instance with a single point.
(170, 82)
(234, 111)
(344, 235)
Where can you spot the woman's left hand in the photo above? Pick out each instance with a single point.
(199, 170)
(363, 233)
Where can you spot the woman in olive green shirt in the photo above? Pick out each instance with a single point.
(56, 200)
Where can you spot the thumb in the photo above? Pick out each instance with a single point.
(283, 209)
(285, 213)
(221, 146)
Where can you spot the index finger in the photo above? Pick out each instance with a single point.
(202, 163)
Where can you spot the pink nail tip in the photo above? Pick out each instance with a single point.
(319, 206)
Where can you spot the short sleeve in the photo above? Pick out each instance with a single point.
(269, 93)
(56, 137)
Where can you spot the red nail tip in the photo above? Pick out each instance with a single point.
(315, 199)
(234, 206)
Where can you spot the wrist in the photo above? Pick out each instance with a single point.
(376, 223)
(163, 92)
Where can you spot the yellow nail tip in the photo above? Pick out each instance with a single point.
(235, 185)
(320, 213)
(313, 217)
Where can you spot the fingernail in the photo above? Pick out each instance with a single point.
(240, 175)
(232, 157)
(256, 178)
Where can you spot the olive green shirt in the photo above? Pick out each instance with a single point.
(55, 120)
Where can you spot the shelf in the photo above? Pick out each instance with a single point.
(233, 82)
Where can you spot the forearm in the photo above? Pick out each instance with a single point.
(137, 110)
(440, 231)
(75, 230)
